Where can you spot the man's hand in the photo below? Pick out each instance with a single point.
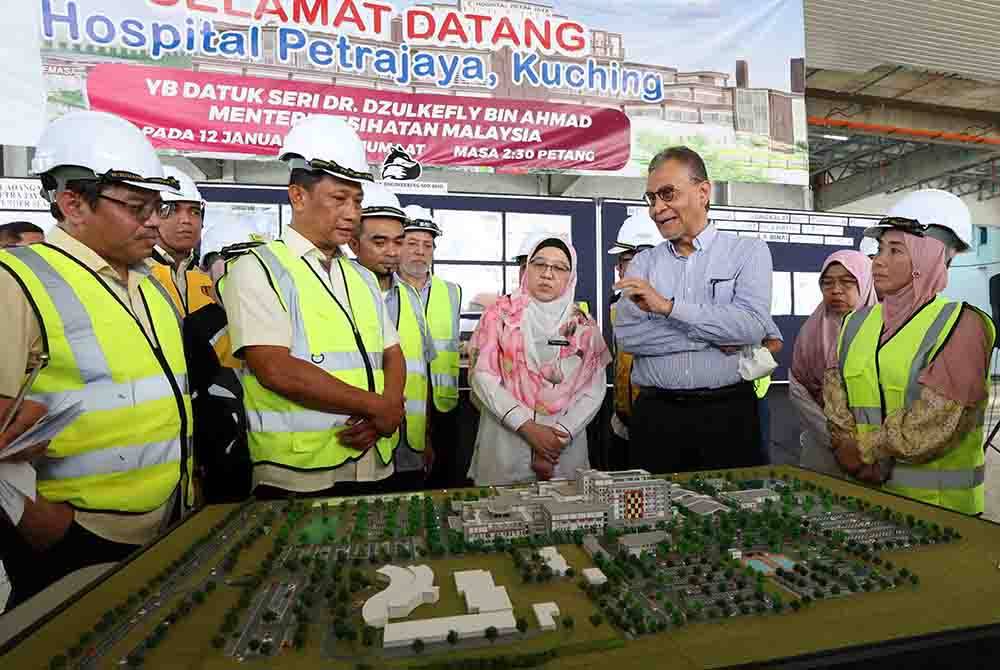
(730, 349)
(849, 458)
(547, 442)
(389, 415)
(428, 456)
(774, 346)
(360, 434)
(872, 474)
(44, 523)
(645, 296)
(27, 416)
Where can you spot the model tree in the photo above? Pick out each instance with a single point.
(453, 637)
(596, 619)
(417, 646)
(254, 644)
(492, 633)
(568, 622)
(368, 636)
(522, 625)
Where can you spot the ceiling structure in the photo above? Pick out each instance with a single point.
(902, 94)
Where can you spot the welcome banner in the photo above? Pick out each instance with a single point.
(512, 85)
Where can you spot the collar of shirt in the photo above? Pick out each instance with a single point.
(91, 259)
(423, 291)
(299, 245)
(701, 243)
(163, 257)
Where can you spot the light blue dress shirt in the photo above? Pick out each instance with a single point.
(722, 296)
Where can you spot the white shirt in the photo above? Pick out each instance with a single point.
(502, 456)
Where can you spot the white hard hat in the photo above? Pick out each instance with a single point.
(868, 246)
(941, 215)
(419, 219)
(380, 201)
(326, 143)
(188, 191)
(638, 231)
(88, 145)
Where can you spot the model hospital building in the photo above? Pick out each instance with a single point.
(592, 502)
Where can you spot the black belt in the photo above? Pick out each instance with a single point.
(699, 394)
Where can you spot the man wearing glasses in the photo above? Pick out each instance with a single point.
(180, 228)
(688, 307)
(83, 309)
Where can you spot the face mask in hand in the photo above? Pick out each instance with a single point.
(756, 362)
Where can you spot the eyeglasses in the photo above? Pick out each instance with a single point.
(664, 193)
(541, 266)
(140, 213)
(170, 208)
(828, 284)
(911, 226)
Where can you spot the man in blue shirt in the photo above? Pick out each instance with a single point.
(691, 304)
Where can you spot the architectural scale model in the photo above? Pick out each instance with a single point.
(451, 577)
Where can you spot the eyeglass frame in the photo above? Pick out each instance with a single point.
(650, 197)
(844, 284)
(541, 267)
(136, 210)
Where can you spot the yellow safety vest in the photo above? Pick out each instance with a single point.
(199, 287)
(199, 294)
(282, 432)
(882, 379)
(443, 308)
(625, 391)
(412, 328)
(760, 386)
(129, 449)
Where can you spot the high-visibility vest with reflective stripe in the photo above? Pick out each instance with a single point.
(125, 452)
(625, 392)
(882, 379)
(199, 294)
(761, 386)
(198, 288)
(282, 432)
(443, 308)
(412, 328)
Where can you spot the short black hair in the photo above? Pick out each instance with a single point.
(17, 228)
(88, 189)
(689, 157)
(307, 179)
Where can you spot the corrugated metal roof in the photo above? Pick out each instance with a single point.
(939, 35)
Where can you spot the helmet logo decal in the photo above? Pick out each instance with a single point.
(400, 166)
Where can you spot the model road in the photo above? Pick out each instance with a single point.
(157, 600)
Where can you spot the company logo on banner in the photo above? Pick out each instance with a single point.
(506, 84)
(399, 166)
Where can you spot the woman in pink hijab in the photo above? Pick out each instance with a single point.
(925, 441)
(846, 282)
(537, 368)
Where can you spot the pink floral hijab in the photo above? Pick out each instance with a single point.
(543, 353)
